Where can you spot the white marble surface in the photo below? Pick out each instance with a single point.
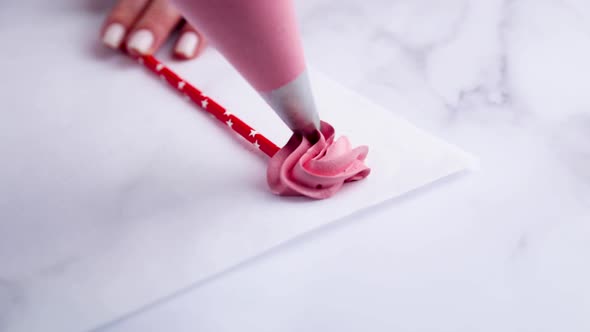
(507, 250)
(116, 192)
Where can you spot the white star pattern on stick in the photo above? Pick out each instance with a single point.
(199, 98)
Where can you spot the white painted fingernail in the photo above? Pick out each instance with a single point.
(187, 44)
(113, 35)
(141, 41)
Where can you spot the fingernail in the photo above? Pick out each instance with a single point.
(187, 44)
(141, 41)
(113, 35)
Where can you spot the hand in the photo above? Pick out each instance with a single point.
(144, 25)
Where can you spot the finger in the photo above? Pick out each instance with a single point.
(120, 20)
(152, 29)
(190, 43)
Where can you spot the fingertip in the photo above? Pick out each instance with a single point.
(187, 45)
(113, 35)
(119, 21)
(141, 42)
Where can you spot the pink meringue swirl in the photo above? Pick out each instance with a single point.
(316, 170)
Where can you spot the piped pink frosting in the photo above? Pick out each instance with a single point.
(316, 170)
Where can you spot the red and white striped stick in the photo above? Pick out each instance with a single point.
(209, 105)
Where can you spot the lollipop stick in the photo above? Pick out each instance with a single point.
(207, 104)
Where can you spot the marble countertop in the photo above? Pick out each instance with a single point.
(505, 249)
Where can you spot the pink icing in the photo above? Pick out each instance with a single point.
(316, 170)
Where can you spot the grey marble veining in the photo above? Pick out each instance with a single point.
(484, 73)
